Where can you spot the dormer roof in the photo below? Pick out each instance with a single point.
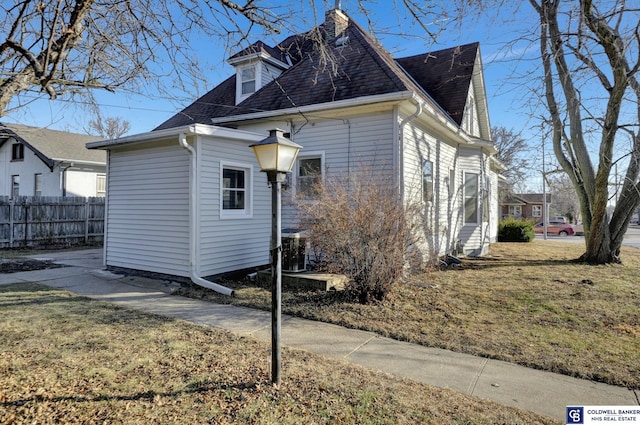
(262, 51)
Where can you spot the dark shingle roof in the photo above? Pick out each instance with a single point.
(364, 68)
(216, 103)
(527, 198)
(445, 75)
(259, 46)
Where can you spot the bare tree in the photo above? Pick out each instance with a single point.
(590, 61)
(68, 49)
(109, 127)
(512, 152)
(358, 226)
(563, 194)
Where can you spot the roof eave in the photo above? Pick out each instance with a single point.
(190, 130)
(263, 56)
(359, 101)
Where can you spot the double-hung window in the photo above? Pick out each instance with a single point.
(470, 198)
(515, 211)
(236, 190)
(37, 184)
(101, 185)
(536, 210)
(427, 181)
(486, 191)
(15, 186)
(308, 175)
(248, 76)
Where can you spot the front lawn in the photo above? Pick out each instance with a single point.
(66, 359)
(525, 303)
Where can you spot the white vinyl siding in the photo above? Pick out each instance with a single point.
(228, 242)
(470, 121)
(347, 142)
(472, 233)
(148, 209)
(442, 215)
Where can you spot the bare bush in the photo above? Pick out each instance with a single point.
(359, 227)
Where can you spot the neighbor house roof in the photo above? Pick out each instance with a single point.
(52, 145)
(527, 198)
(357, 68)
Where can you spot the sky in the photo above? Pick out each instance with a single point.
(500, 68)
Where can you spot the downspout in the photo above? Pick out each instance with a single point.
(63, 178)
(401, 145)
(194, 223)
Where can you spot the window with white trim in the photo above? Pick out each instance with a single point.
(427, 181)
(485, 199)
(15, 186)
(470, 198)
(452, 183)
(515, 211)
(37, 184)
(248, 80)
(236, 190)
(101, 185)
(308, 175)
(536, 210)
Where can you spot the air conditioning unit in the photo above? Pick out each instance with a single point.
(293, 250)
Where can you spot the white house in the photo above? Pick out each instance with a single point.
(41, 162)
(188, 199)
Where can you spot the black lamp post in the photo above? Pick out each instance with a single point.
(276, 156)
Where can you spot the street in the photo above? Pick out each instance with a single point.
(632, 237)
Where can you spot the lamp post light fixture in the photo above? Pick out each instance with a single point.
(276, 156)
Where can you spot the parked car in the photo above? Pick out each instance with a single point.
(558, 219)
(555, 229)
(578, 229)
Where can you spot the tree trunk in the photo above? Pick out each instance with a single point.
(561, 53)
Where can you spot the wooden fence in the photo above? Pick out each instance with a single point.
(28, 221)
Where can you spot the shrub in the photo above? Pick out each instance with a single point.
(515, 230)
(359, 227)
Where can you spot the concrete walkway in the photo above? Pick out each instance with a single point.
(537, 391)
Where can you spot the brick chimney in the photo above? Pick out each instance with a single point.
(335, 24)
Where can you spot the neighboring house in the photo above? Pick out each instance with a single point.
(189, 199)
(525, 205)
(41, 162)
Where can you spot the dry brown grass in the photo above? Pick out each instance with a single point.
(68, 359)
(524, 303)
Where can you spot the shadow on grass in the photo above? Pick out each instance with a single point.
(141, 396)
(24, 295)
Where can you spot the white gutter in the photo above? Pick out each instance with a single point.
(348, 103)
(194, 223)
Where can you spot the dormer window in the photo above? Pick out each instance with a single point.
(256, 66)
(248, 83)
